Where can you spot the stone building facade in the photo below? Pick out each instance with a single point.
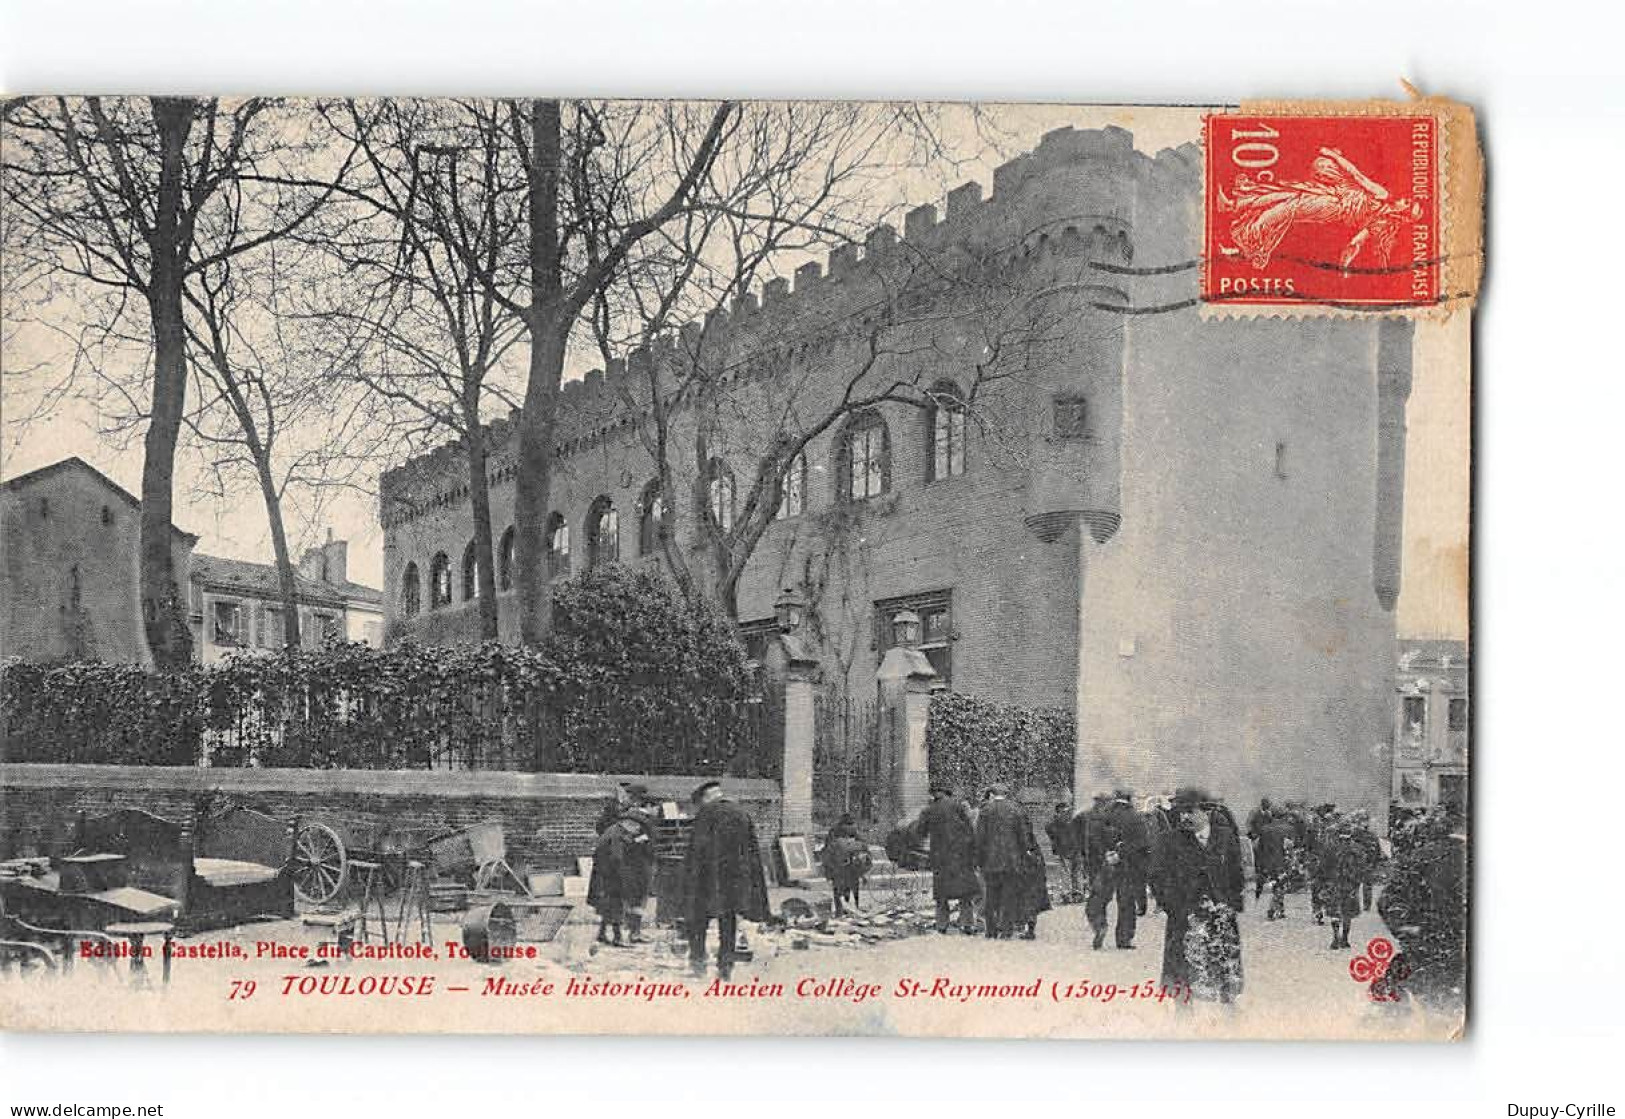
(236, 605)
(1086, 492)
(1431, 724)
(70, 538)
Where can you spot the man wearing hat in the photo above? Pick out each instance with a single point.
(722, 877)
(1063, 840)
(1122, 840)
(628, 794)
(1004, 842)
(946, 826)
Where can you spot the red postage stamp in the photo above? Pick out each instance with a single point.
(1338, 211)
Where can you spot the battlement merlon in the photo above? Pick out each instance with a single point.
(1076, 181)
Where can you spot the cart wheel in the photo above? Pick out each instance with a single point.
(320, 865)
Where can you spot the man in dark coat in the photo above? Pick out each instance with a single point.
(945, 824)
(1272, 848)
(1319, 824)
(1425, 906)
(1199, 885)
(1120, 835)
(1341, 867)
(722, 877)
(622, 868)
(1004, 840)
(1374, 858)
(1063, 840)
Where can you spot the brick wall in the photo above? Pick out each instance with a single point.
(548, 817)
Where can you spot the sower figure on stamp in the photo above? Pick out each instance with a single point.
(1063, 840)
(1004, 839)
(1199, 886)
(1336, 193)
(722, 877)
(946, 825)
(1120, 835)
(622, 869)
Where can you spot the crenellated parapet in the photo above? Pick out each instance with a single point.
(1074, 200)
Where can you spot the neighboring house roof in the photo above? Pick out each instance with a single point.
(77, 463)
(1432, 655)
(259, 580)
(356, 592)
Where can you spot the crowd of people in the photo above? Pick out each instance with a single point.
(1182, 852)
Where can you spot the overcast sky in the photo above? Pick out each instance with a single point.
(1433, 601)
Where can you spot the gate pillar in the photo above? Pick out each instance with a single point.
(905, 682)
(794, 669)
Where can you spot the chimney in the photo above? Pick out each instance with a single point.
(335, 560)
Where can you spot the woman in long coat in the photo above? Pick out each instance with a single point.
(1200, 886)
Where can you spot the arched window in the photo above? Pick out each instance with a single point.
(439, 581)
(558, 546)
(719, 495)
(864, 457)
(651, 515)
(411, 591)
(505, 561)
(793, 498)
(471, 573)
(945, 433)
(603, 533)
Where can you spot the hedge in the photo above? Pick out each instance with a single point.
(973, 743)
(632, 679)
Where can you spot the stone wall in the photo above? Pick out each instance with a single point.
(69, 567)
(548, 817)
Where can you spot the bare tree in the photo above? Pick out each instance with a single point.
(800, 192)
(130, 197)
(429, 255)
(265, 406)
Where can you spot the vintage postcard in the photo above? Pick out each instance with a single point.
(521, 565)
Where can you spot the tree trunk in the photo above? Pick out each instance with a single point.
(533, 483)
(286, 587)
(479, 496)
(162, 608)
(548, 336)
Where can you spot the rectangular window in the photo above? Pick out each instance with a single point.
(1458, 713)
(271, 636)
(1416, 714)
(228, 623)
(1071, 418)
(328, 624)
(948, 442)
(869, 462)
(919, 621)
(795, 498)
(756, 635)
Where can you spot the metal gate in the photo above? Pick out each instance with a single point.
(851, 773)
